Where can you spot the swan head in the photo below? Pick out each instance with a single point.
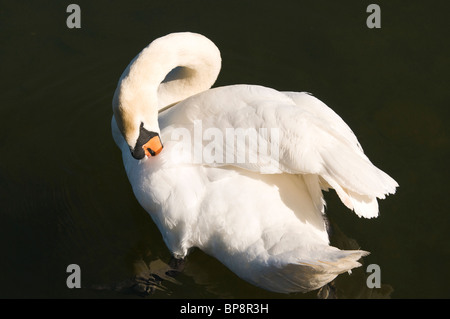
(169, 70)
(137, 119)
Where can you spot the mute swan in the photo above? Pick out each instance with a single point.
(256, 203)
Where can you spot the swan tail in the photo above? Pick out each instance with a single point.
(309, 275)
(357, 182)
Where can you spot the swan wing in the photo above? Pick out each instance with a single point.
(289, 132)
(374, 183)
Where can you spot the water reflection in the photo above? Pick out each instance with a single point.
(149, 277)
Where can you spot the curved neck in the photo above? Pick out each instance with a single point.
(169, 70)
(174, 67)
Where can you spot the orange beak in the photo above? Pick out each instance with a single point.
(153, 147)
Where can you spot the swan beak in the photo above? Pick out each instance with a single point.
(153, 147)
(148, 143)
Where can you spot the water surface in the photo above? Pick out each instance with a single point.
(64, 194)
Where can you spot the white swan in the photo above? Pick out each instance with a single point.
(263, 217)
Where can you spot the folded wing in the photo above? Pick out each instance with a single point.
(294, 133)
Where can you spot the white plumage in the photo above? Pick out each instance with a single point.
(262, 218)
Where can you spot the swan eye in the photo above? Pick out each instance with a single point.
(148, 143)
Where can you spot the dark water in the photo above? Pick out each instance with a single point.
(64, 195)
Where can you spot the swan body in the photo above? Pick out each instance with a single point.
(264, 216)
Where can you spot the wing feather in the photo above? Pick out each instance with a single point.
(301, 135)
